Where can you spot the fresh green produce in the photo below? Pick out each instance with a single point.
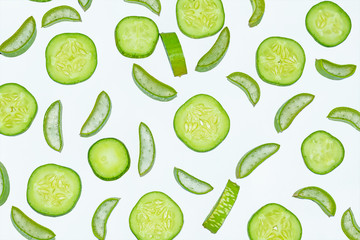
(60, 14)
(4, 184)
(334, 71)
(349, 225)
(147, 150)
(258, 12)
(347, 115)
(85, 4)
(40, 0)
(191, 183)
(247, 84)
(52, 126)
(153, 5)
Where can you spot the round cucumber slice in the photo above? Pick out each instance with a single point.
(280, 61)
(328, 23)
(109, 159)
(347, 115)
(101, 216)
(60, 14)
(18, 108)
(334, 71)
(349, 225)
(53, 190)
(52, 126)
(136, 37)
(200, 18)
(156, 216)
(4, 184)
(201, 123)
(71, 58)
(322, 152)
(274, 221)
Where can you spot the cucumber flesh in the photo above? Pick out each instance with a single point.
(101, 215)
(4, 184)
(147, 150)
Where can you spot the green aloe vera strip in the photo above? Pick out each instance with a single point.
(153, 5)
(4, 184)
(347, 115)
(258, 7)
(85, 4)
(247, 84)
(334, 71)
(147, 150)
(60, 14)
(349, 225)
(191, 183)
(52, 126)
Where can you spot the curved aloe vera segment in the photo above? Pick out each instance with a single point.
(290, 109)
(147, 150)
(29, 228)
(349, 225)
(258, 7)
(216, 53)
(153, 5)
(346, 115)
(253, 158)
(85, 4)
(320, 197)
(151, 86)
(21, 40)
(247, 84)
(334, 71)
(60, 14)
(98, 116)
(191, 183)
(222, 208)
(101, 216)
(4, 184)
(52, 126)
(174, 53)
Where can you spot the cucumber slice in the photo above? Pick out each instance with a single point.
(136, 37)
(147, 150)
(153, 5)
(334, 71)
(322, 152)
(18, 108)
(253, 158)
(71, 58)
(328, 23)
(21, 40)
(85, 4)
(52, 126)
(346, 115)
(191, 183)
(4, 184)
(349, 225)
(156, 216)
(274, 221)
(28, 227)
(200, 18)
(151, 86)
(258, 7)
(109, 159)
(201, 123)
(174, 53)
(53, 190)
(222, 208)
(216, 53)
(101, 216)
(290, 109)
(98, 116)
(247, 84)
(60, 14)
(280, 61)
(320, 197)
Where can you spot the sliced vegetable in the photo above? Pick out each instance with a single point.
(320, 197)
(216, 53)
(322, 152)
(346, 115)
(253, 158)
(4, 184)
(60, 14)
(52, 126)
(156, 216)
(147, 150)
(222, 208)
(334, 71)
(21, 40)
(40, 0)
(258, 7)
(247, 84)
(85, 4)
(153, 5)
(191, 183)
(290, 109)
(101, 216)
(174, 53)
(349, 225)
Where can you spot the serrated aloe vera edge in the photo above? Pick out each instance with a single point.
(147, 150)
(191, 183)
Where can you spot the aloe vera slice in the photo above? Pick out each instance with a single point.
(253, 158)
(349, 225)
(4, 184)
(258, 7)
(191, 183)
(153, 5)
(222, 208)
(347, 115)
(147, 150)
(320, 197)
(174, 52)
(290, 109)
(247, 84)
(21, 40)
(98, 116)
(52, 126)
(151, 86)
(216, 53)
(85, 4)
(40, 0)
(101, 216)
(28, 227)
(60, 14)
(334, 71)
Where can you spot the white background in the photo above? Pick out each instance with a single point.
(273, 181)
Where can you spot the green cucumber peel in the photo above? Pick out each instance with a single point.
(147, 150)
(191, 183)
(347, 115)
(4, 184)
(60, 14)
(247, 84)
(52, 126)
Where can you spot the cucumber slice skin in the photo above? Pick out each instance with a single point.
(349, 225)
(207, 186)
(216, 53)
(152, 5)
(59, 128)
(247, 84)
(342, 71)
(5, 184)
(258, 12)
(347, 115)
(35, 227)
(39, 205)
(85, 4)
(147, 150)
(58, 14)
